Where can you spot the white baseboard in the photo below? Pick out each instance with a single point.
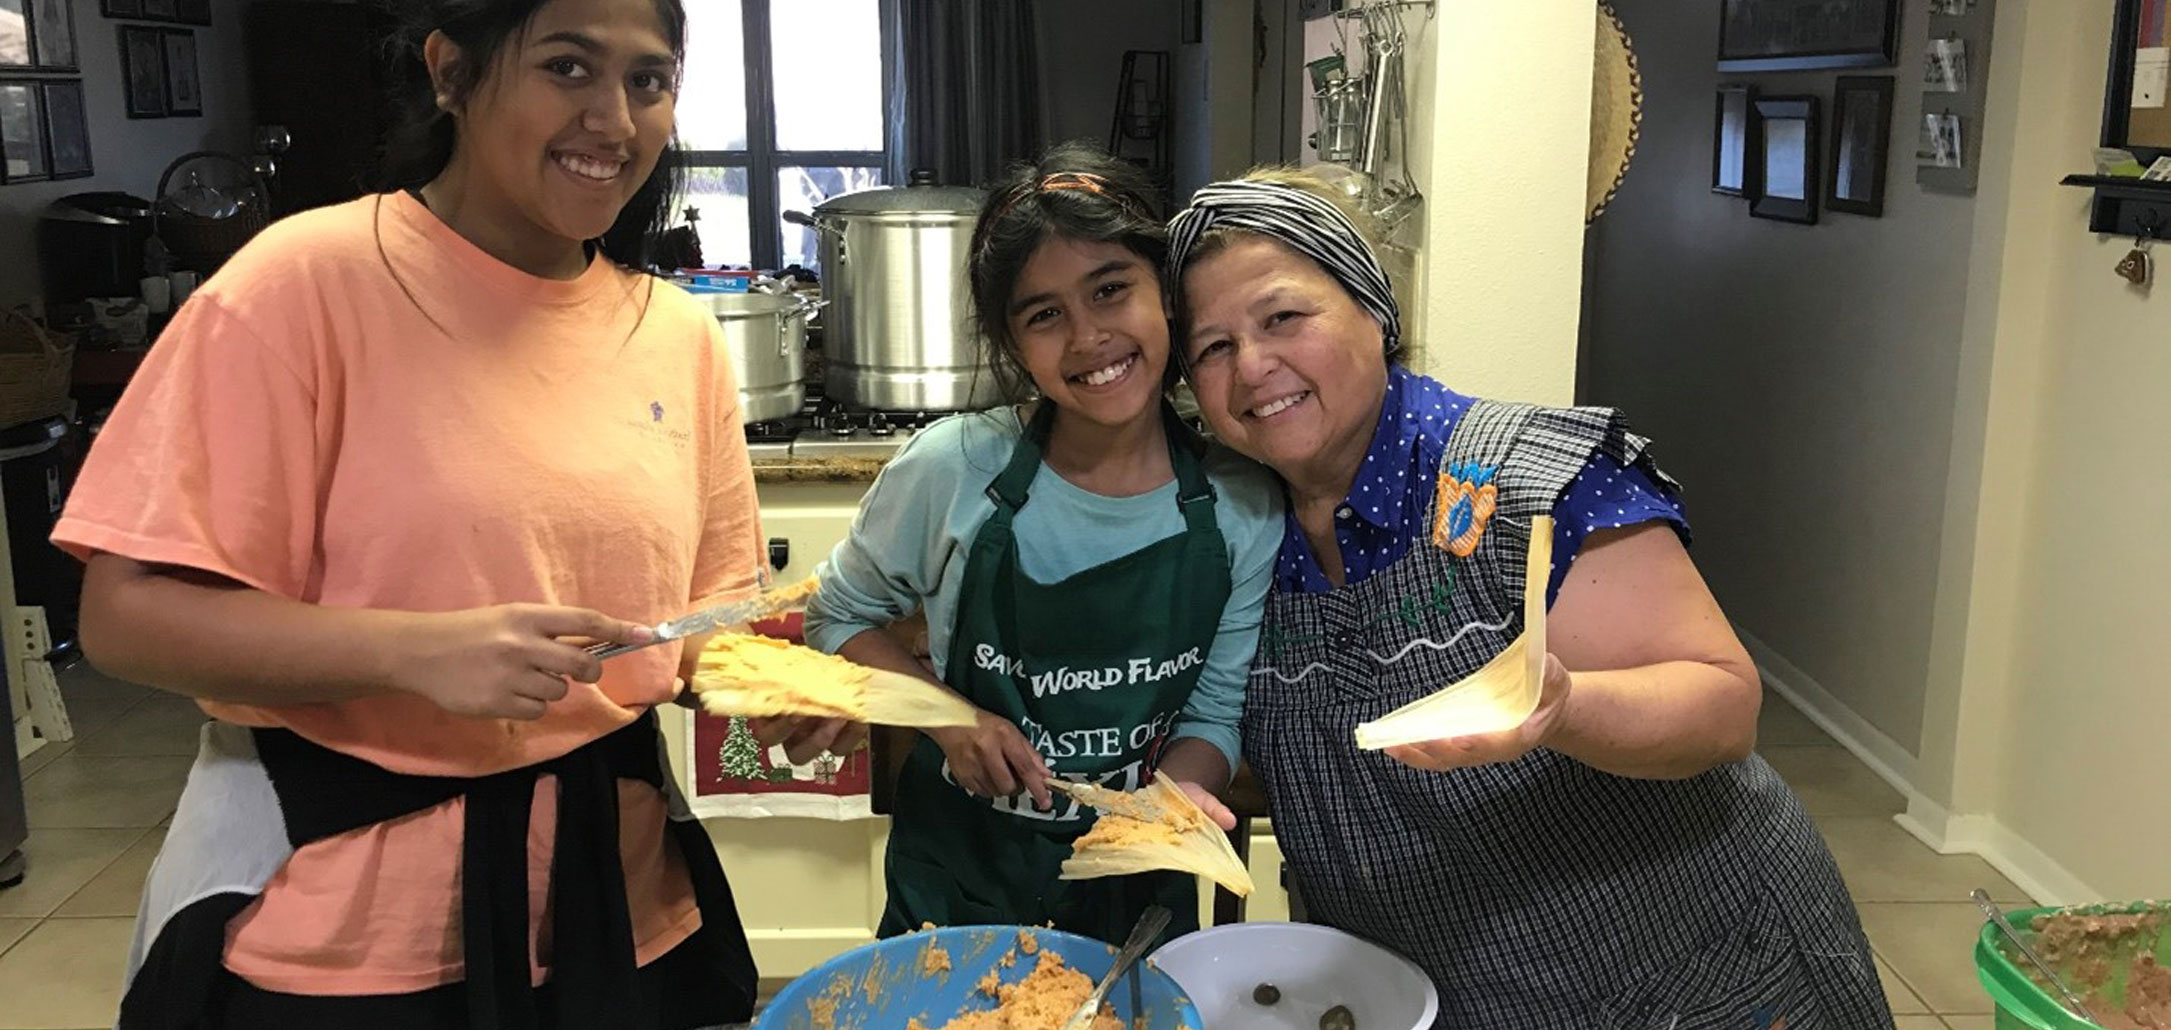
(1884, 756)
(2029, 867)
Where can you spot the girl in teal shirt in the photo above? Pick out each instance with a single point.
(1092, 571)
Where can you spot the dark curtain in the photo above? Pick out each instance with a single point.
(966, 80)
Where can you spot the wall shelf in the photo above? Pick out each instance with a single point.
(2125, 206)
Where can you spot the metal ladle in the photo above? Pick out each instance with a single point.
(1990, 908)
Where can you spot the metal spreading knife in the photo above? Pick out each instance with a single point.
(1149, 927)
(709, 620)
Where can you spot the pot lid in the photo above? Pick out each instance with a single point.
(920, 196)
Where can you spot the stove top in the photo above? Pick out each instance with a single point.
(830, 429)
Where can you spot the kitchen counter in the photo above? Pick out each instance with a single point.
(817, 470)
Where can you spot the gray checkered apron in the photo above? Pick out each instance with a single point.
(1541, 894)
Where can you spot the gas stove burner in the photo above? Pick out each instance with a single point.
(770, 432)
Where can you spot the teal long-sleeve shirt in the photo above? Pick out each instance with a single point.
(909, 542)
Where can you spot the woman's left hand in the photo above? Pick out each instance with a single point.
(1503, 746)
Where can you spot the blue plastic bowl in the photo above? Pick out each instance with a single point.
(884, 985)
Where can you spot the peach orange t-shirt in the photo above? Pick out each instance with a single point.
(364, 409)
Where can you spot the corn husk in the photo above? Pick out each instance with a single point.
(1498, 696)
(754, 676)
(1156, 828)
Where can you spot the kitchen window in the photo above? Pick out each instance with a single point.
(781, 107)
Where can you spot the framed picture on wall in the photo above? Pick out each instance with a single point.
(67, 129)
(1861, 144)
(143, 71)
(184, 87)
(22, 133)
(1789, 158)
(1789, 35)
(1733, 142)
(121, 8)
(162, 10)
(52, 27)
(15, 34)
(193, 12)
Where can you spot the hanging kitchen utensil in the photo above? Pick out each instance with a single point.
(1497, 697)
(754, 676)
(1156, 828)
(1616, 113)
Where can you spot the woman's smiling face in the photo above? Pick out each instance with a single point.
(1288, 370)
(1091, 329)
(572, 116)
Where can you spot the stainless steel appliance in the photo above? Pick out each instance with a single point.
(766, 335)
(900, 332)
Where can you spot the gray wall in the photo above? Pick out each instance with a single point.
(129, 154)
(1081, 57)
(1800, 380)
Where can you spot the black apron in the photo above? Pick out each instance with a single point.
(1095, 670)
(706, 980)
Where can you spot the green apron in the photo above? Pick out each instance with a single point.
(1095, 670)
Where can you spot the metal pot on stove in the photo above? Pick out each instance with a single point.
(766, 337)
(899, 334)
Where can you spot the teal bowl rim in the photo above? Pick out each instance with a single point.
(1187, 1013)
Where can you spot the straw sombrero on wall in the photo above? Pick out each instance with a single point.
(1616, 113)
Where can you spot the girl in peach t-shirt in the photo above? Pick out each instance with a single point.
(377, 482)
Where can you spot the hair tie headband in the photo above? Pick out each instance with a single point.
(1311, 225)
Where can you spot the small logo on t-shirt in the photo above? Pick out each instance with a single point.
(655, 411)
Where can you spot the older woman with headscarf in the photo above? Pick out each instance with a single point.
(1621, 859)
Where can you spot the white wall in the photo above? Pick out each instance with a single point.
(1801, 380)
(2046, 730)
(1500, 98)
(129, 154)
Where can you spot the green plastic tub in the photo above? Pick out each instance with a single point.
(2021, 1003)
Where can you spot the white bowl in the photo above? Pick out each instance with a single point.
(1315, 968)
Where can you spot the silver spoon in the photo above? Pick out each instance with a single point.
(1990, 908)
(1149, 927)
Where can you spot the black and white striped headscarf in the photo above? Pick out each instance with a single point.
(1311, 225)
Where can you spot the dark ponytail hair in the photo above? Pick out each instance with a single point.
(421, 144)
(1077, 191)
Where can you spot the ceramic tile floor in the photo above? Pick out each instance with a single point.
(98, 805)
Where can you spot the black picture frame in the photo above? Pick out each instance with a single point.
(184, 80)
(18, 54)
(193, 12)
(1788, 35)
(161, 10)
(143, 70)
(1861, 150)
(1734, 142)
(23, 153)
(67, 130)
(1788, 181)
(121, 8)
(53, 43)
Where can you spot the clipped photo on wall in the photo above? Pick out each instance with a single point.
(1944, 66)
(1941, 145)
(1952, 8)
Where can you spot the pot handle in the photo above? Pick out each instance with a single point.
(803, 307)
(813, 222)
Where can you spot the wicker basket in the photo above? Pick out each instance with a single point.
(35, 366)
